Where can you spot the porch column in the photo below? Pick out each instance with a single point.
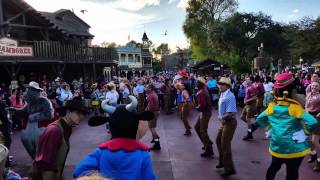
(126, 74)
(1, 19)
(13, 71)
(127, 58)
(84, 71)
(94, 71)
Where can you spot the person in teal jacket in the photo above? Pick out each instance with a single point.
(289, 125)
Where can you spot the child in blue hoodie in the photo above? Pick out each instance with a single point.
(123, 157)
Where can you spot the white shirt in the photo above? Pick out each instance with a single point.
(268, 87)
(65, 95)
(112, 97)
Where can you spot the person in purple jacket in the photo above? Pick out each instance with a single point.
(123, 157)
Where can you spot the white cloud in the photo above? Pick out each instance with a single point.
(294, 14)
(107, 23)
(183, 4)
(295, 11)
(172, 1)
(134, 5)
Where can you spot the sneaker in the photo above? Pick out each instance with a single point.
(313, 158)
(207, 154)
(219, 166)
(317, 167)
(248, 137)
(156, 147)
(228, 173)
(187, 133)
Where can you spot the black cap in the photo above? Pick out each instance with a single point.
(76, 104)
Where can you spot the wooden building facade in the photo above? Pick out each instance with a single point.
(34, 43)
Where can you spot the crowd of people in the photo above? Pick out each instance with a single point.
(286, 105)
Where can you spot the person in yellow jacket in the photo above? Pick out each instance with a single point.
(289, 125)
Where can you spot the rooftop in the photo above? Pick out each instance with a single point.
(70, 26)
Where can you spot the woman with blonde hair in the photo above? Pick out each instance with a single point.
(312, 106)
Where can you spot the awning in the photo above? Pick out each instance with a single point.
(316, 64)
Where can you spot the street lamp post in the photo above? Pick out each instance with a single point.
(301, 61)
(222, 70)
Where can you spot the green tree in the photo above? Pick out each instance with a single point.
(108, 45)
(202, 16)
(157, 65)
(161, 50)
(304, 38)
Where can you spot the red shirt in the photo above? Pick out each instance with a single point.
(259, 90)
(153, 102)
(204, 100)
(49, 144)
(14, 102)
(251, 93)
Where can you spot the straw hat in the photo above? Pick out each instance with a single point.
(34, 85)
(201, 80)
(224, 80)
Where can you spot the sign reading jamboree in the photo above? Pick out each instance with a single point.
(9, 47)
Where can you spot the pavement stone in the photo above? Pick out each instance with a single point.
(179, 158)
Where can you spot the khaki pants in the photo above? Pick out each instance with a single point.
(248, 112)
(166, 99)
(201, 128)
(185, 109)
(224, 138)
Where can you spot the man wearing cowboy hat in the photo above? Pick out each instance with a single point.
(227, 109)
(39, 112)
(53, 146)
(205, 108)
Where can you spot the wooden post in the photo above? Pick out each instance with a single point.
(13, 71)
(84, 71)
(47, 34)
(1, 19)
(94, 71)
(24, 19)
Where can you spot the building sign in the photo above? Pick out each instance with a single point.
(135, 65)
(9, 47)
(216, 69)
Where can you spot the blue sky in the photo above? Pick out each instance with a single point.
(116, 20)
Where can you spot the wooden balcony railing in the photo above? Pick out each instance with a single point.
(50, 50)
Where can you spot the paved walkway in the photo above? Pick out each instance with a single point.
(179, 158)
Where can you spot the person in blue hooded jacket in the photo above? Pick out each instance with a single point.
(289, 125)
(123, 157)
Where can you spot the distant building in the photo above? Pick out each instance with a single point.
(177, 61)
(210, 67)
(135, 61)
(35, 43)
